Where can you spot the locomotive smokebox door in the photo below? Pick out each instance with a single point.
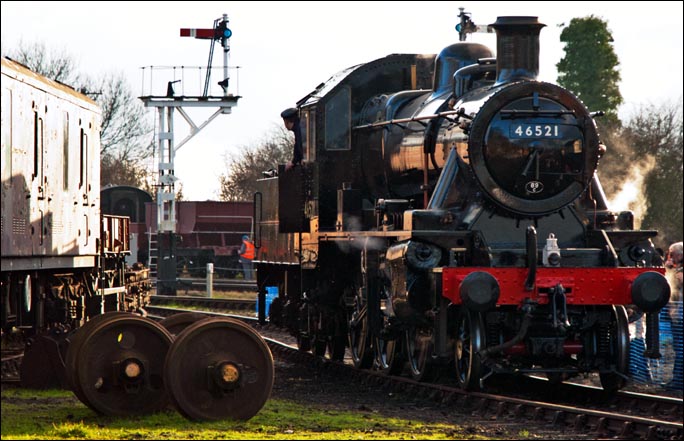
(293, 188)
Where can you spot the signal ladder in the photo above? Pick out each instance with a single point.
(152, 255)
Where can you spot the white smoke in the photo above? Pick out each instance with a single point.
(629, 194)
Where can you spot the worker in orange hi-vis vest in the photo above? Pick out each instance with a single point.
(246, 257)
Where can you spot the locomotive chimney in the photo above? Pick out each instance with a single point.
(517, 48)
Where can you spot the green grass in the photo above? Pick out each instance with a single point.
(57, 414)
(238, 295)
(241, 312)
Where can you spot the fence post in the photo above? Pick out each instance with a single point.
(210, 278)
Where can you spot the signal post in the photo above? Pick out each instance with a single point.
(163, 258)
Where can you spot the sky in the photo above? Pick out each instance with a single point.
(285, 49)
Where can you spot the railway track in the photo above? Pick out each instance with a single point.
(575, 408)
(571, 393)
(591, 397)
(582, 410)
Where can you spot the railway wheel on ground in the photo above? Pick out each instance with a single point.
(219, 368)
(121, 362)
(616, 341)
(470, 339)
(176, 323)
(359, 340)
(418, 344)
(76, 339)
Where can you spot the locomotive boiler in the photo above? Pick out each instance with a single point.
(449, 214)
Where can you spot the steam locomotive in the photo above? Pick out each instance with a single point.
(449, 214)
(62, 261)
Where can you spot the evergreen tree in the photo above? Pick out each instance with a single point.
(590, 66)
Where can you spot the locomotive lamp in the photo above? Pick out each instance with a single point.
(551, 255)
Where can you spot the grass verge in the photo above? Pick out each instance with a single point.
(57, 414)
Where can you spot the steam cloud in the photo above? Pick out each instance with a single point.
(629, 193)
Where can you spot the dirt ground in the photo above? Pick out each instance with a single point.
(322, 389)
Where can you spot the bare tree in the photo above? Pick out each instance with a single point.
(58, 66)
(645, 156)
(657, 131)
(126, 134)
(124, 172)
(245, 167)
(125, 129)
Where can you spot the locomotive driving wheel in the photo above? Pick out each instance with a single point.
(387, 343)
(617, 340)
(470, 339)
(121, 360)
(418, 344)
(359, 339)
(388, 355)
(218, 368)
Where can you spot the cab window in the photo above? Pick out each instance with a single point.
(338, 120)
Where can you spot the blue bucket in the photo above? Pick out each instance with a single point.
(271, 293)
